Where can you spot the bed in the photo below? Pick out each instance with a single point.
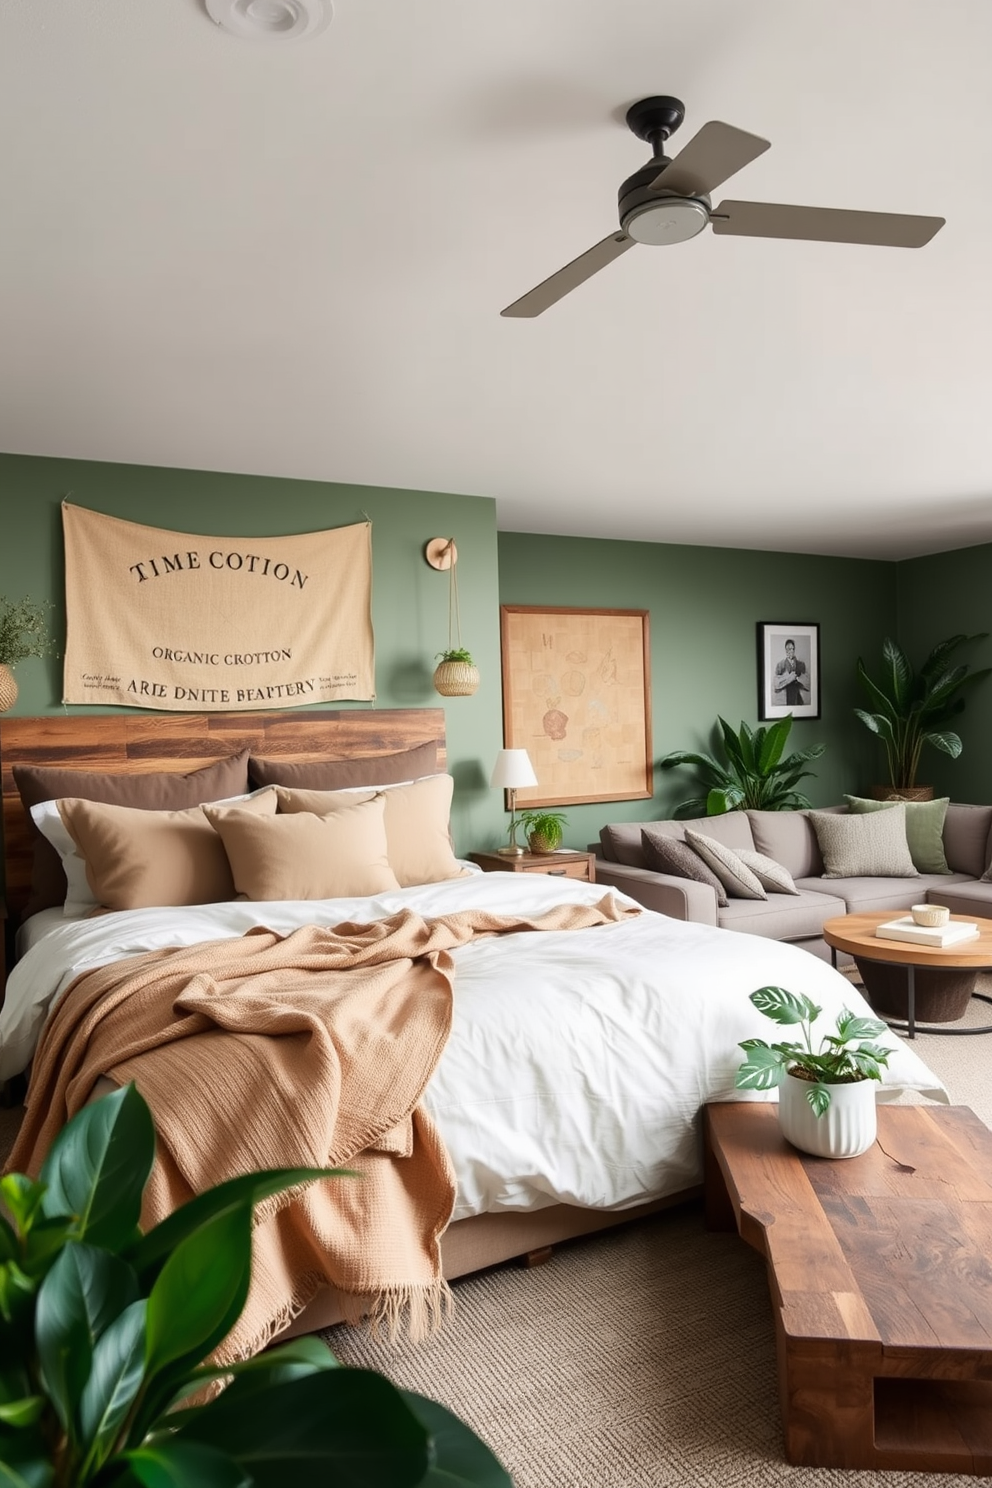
(568, 1093)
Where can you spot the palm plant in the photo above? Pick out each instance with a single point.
(758, 775)
(913, 708)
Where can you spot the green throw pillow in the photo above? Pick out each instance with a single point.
(924, 829)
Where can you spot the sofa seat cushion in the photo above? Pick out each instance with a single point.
(967, 897)
(868, 895)
(782, 916)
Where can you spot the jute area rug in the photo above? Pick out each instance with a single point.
(637, 1358)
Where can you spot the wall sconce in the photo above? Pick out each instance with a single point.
(512, 771)
(456, 674)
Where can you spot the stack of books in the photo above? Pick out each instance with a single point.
(906, 928)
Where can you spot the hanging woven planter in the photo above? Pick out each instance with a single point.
(456, 674)
(456, 678)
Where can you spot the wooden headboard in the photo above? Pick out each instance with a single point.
(127, 743)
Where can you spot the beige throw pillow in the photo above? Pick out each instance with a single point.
(303, 856)
(416, 819)
(870, 846)
(771, 875)
(733, 873)
(136, 858)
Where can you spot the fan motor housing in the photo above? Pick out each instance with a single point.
(656, 216)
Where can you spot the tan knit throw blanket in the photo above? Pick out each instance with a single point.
(311, 1049)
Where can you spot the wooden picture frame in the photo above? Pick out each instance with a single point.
(788, 669)
(577, 697)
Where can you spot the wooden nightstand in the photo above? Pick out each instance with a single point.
(562, 864)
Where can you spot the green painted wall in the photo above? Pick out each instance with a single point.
(939, 596)
(410, 599)
(705, 604)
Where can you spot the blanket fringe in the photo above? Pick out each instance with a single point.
(416, 1311)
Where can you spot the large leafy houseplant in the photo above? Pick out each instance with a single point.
(843, 1057)
(104, 1330)
(913, 708)
(757, 773)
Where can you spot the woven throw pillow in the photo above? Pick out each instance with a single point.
(733, 873)
(668, 855)
(771, 875)
(870, 846)
(924, 828)
(136, 859)
(303, 856)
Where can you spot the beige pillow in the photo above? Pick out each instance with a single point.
(136, 858)
(416, 818)
(771, 875)
(303, 856)
(870, 846)
(736, 877)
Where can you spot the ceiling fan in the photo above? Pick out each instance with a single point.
(668, 201)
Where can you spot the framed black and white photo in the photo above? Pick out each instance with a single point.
(788, 670)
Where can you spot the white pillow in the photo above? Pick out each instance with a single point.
(79, 899)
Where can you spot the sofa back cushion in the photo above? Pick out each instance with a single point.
(966, 838)
(621, 841)
(789, 838)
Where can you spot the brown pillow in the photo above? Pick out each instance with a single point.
(385, 769)
(160, 790)
(668, 855)
(416, 818)
(136, 859)
(304, 856)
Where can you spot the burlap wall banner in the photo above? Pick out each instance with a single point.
(177, 621)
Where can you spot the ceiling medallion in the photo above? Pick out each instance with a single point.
(271, 20)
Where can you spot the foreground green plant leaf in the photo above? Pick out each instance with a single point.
(83, 1293)
(461, 1460)
(98, 1166)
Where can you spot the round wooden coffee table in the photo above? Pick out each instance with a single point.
(855, 934)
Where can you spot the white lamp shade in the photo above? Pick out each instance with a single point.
(513, 770)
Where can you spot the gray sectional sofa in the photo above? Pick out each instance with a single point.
(789, 838)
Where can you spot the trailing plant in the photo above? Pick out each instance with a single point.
(913, 708)
(458, 653)
(544, 829)
(24, 630)
(757, 774)
(832, 1063)
(103, 1331)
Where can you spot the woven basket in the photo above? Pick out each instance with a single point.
(8, 688)
(456, 679)
(902, 792)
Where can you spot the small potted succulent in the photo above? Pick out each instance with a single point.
(23, 633)
(544, 829)
(826, 1094)
(456, 674)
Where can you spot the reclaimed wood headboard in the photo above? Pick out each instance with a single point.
(127, 743)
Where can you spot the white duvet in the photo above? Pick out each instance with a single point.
(578, 1061)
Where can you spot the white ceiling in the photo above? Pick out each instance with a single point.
(289, 259)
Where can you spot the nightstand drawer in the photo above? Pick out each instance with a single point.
(572, 869)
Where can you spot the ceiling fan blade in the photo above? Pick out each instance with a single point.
(570, 277)
(823, 224)
(711, 157)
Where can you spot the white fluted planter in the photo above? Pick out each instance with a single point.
(847, 1127)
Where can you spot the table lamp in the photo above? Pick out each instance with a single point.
(512, 770)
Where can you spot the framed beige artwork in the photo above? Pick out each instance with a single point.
(577, 697)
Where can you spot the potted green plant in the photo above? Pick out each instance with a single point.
(103, 1331)
(23, 633)
(826, 1095)
(544, 829)
(913, 708)
(456, 674)
(757, 775)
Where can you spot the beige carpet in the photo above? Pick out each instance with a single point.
(638, 1358)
